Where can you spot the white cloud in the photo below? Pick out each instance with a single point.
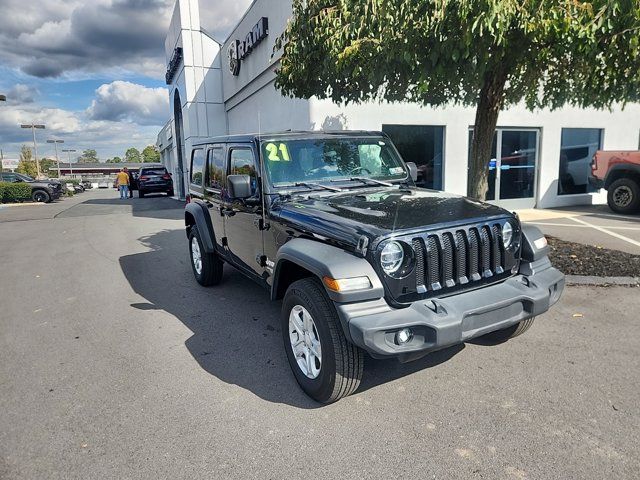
(122, 115)
(53, 38)
(125, 101)
(21, 93)
(80, 39)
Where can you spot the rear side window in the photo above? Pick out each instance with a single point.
(215, 162)
(197, 166)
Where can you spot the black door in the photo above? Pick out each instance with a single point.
(241, 216)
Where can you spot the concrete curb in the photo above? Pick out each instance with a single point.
(602, 281)
(25, 204)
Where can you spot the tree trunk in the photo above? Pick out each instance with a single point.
(489, 106)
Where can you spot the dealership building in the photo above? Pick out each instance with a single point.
(218, 87)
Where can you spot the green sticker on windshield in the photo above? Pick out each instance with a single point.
(277, 152)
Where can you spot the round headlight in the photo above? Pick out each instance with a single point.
(507, 235)
(391, 257)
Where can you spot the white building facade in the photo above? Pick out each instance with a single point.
(540, 159)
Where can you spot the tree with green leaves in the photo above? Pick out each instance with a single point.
(114, 160)
(88, 156)
(27, 164)
(151, 154)
(132, 155)
(490, 54)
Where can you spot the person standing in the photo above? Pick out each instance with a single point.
(122, 182)
(132, 184)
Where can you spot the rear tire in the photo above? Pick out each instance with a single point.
(505, 334)
(207, 267)
(41, 196)
(140, 194)
(170, 193)
(338, 371)
(623, 196)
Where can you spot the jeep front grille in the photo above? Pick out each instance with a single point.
(455, 258)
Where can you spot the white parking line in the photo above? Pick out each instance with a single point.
(608, 232)
(609, 215)
(548, 224)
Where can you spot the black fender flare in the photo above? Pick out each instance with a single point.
(325, 260)
(631, 167)
(203, 223)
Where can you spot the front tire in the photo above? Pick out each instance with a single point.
(500, 336)
(40, 196)
(623, 196)
(207, 267)
(326, 366)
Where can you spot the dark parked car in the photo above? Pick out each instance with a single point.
(41, 190)
(154, 179)
(363, 260)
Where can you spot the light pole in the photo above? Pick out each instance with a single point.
(3, 98)
(55, 143)
(33, 127)
(68, 151)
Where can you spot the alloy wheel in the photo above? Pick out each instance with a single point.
(196, 256)
(623, 196)
(305, 341)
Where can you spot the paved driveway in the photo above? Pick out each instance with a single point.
(114, 363)
(593, 225)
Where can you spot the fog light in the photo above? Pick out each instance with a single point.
(404, 336)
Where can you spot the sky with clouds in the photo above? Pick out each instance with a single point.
(91, 70)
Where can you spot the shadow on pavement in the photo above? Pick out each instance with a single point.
(236, 327)
(156, 206)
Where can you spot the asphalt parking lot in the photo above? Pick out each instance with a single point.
(593, 224)
(114, 363)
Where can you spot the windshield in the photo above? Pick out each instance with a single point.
(288, 162)
(26, 178)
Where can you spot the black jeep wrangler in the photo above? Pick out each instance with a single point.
(332, 224)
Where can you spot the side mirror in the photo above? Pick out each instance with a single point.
(239, 186)
(413, 171)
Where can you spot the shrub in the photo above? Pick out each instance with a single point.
(14, 192)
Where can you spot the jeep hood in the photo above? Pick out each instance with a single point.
(378, 212)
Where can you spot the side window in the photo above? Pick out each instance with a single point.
(215, 162)
(242, 163)
(197, 166)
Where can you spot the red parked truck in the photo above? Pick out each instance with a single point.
(619, 173)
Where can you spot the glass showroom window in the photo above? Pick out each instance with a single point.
(423, 145)
(576, 151)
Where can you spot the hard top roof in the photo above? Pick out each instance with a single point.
(290, 135)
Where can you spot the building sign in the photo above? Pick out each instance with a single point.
(174, 63)
(10, 163)
(240, 49)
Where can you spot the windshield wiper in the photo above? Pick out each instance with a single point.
(311, 186)
(364, 180)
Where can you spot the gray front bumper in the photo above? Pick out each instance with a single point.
(443, 322)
